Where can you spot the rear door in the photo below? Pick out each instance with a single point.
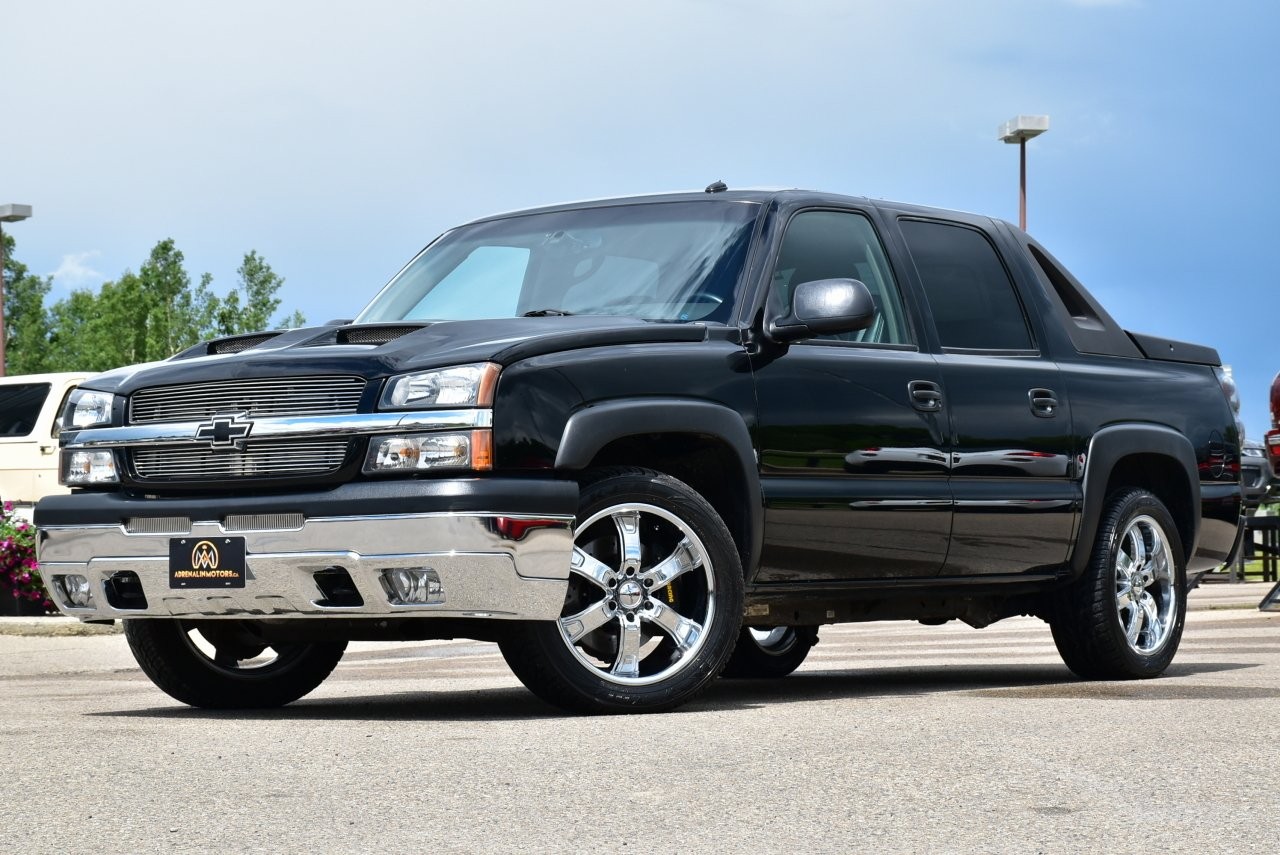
(1011, 451)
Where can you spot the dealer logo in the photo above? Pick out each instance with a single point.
(204, 556)
(225, 431)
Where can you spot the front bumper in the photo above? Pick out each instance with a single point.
(500, 549)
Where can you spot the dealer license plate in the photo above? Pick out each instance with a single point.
(214, 562)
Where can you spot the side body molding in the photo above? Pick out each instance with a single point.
(591, 429)
(1107, 447)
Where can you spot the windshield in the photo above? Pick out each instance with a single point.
(669, 261)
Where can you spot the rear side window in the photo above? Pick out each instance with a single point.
(20, 407)
(969, 291)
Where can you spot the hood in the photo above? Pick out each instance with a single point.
(380, 350)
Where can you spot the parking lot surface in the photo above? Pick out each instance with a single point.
(893, 737)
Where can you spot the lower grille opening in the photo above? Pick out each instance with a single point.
(338, 589)
(124, 591)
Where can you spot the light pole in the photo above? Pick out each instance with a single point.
(1018, 130)
(8, 214)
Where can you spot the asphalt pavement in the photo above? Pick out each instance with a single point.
(893, 737)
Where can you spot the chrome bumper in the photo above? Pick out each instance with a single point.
(484, 571)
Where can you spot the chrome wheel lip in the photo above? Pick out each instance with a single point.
(772, 637)
(630, 618)
(1145, 586)
(259, 666)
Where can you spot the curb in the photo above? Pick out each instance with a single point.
(54, 626)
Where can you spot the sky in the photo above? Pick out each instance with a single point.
(337, 139)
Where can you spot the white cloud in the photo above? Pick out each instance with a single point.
(75, 272)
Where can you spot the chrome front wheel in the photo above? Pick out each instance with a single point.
(653, 605)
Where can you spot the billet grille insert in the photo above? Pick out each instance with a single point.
(256, 460)
(276, 396)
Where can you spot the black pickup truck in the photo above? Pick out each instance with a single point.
(643, 442)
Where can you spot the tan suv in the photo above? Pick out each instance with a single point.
(29, 408)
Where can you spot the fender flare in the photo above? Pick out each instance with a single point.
(1107, 447)
(590, 429)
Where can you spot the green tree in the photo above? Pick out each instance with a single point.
(139, 317)
(260, 285)
(25, 319)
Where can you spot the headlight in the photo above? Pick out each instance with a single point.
(457, 386)
(426, 451)
(88, 467)
(87, 408)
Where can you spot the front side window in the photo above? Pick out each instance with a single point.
(970, 294)
(20, 407)
(841, 245)
(667, 261)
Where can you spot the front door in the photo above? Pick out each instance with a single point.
(853, 460)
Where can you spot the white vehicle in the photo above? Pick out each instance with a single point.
(30, 405)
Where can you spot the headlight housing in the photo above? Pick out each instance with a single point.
(430, 451)
(88, 467)
(87, 408)
(456, 386)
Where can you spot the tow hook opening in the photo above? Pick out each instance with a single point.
(338, 589)
(124, 591)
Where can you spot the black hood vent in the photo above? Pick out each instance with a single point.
(238, 343)
(375, 334)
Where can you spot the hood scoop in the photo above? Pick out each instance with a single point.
(375, 333)
(235, 344)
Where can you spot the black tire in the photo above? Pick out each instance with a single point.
(771, 655)
(631, 638)
(1123, 619)
(236, 676)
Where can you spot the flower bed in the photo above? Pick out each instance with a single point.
(19, 573)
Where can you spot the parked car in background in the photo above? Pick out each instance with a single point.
(1273, 435)
(30, 406)
(1257, 475)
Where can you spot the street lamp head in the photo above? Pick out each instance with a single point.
(1022, 128)
(13, 213)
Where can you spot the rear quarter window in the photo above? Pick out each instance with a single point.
(969, 291)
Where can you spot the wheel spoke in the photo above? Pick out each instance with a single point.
(586, 621)
(684, 632)
(628, 523)
(1152, 614)
(1124, 599)
(627, 663)
(1139, 548)
(225, 658)
(679, 562)
(1136, 620)
(1159, 558)
(589, 567)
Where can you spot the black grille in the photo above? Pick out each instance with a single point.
(282, 396)
(257, 460)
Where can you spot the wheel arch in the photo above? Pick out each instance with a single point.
(705, 445)
(1152, 457)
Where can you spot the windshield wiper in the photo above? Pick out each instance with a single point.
(546, 313)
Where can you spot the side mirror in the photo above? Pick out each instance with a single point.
(824, 307)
